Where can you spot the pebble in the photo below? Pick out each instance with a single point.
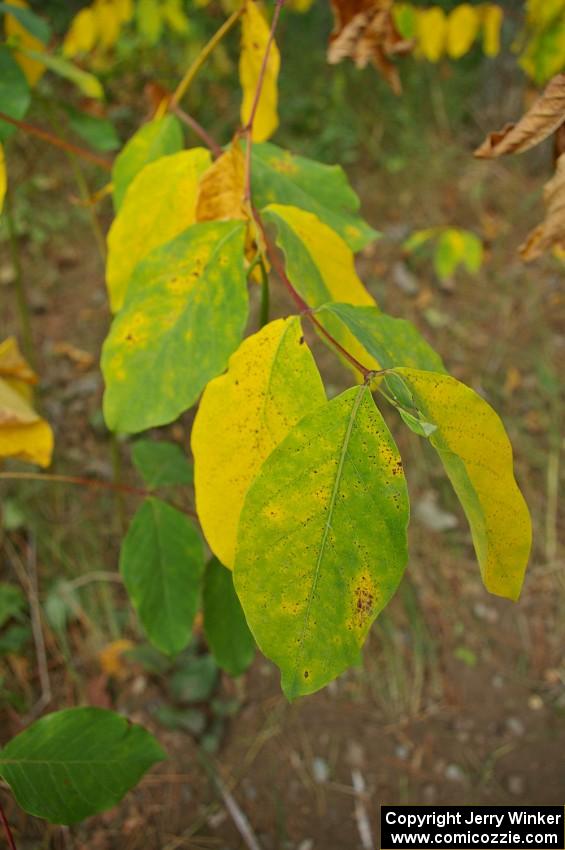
(515, 726)
(516, 785)
(455, 773)
(535, 702)
(320, 770)
(484, 612)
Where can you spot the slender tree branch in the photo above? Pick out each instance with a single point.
(51, 139)
(86, 482)
(248, 129)
(196, 128)
(301, 303)
(188, 78)
(7, 830)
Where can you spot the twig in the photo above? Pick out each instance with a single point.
(301, 303)
(264, 312)
(363, 823)
(186, 81)
(238, 816)
(7, 830)
(86, 482)
(51, 139)
(247, 131)
(95, 575)
(196, 128)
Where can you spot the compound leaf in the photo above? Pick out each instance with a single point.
(278, 177)
(159, 204)
(74, 763)
(271, 383)
(322, 540)
(476, 453)
(159, 355)
(153, 140)
(225, 626)
(161, 562)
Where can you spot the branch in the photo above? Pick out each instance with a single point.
(248, 129)
(7, 830)
(51, 139)
(301, 303)
(196, 128)
(186, 81)
(86, 482)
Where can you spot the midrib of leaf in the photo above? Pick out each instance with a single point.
(161, 550)
(327, 526)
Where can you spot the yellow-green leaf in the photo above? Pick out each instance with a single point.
(82, 33)
(3, 177)
(271, 383)
(23, 433)
(476, 453)
(432, 31)
(184, 315)
(320, 266)
(32, 69)
(159, 204)
(254, 38)
(462, 28)
(321, 545)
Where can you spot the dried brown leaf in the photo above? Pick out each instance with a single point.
(543, 118)
(365, 31)
(551, 232)
(221, 190)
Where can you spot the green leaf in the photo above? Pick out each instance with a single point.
(322, 540)
(29, 20)
(225, 625)
(417, 424)
(74, 763)
(161, 562)
(161, 464)
(157, 138)
(99, 133)
(281, 178)
(321, 267)
(476, 453)
(14, 639)
(15, 93)
(196, 679)
(87, 83)
(159, 354)
(12, 602)
(391, 342)
(160, 203)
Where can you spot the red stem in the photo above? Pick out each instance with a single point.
(248, 129)
(51, 139)
(197, 128)
(7, 830)
(300, 302)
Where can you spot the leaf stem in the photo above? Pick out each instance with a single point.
(85, 482)
(51, 139)
(200, 60)
(265, 295)
(7, 830)
(247, 131)
(196, 128)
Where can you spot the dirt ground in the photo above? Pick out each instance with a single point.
(461, 698)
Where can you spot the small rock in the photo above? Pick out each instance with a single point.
(402, 752)
(497, 681)
(404, 279)
(306, 844)
(515, 726)
(430, 514)
(320, 770)
(535, 702)
(516, 785)
(429, 793)
(455, 773)
(485, 613)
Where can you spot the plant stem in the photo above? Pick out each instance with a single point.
(85, 482)
(188, 78)
(198, 129)
(7, 830)
(57, 142)
(264, 313)
(248, 129)
(21, 298)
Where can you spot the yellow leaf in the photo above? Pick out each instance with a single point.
(32, 69)
(432, 29)
(220, 193)
(271, 383)
(23, 434)
(476, 453)
(149, 20)
(124, 9)
(13, 364)
(254, 38)
(492, 25)
(175, 17)
(3, 178)
(108, 22)
(111, 660)
(160, 202)
(462, 28)
(82, 34)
